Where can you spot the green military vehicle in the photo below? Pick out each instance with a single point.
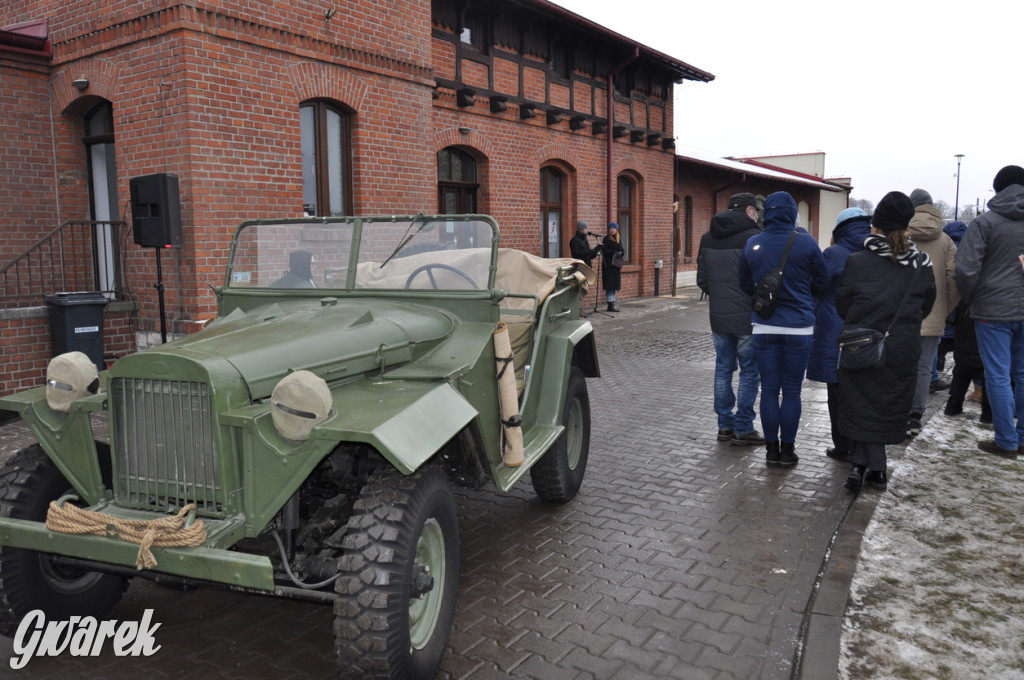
(305, 443)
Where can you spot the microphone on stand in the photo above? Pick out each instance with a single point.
(590, 233)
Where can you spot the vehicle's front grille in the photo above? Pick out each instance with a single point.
(164, 445)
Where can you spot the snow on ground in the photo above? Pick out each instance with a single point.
(939, 587)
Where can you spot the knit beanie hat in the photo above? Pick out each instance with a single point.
(582, 226)
(1011, 174)
(893, 212)
(920, 197)
(849, 214)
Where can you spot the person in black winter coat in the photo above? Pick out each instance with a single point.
(967, 365)
(852, 227)
(873, 403)
(611, 269)
(579, 246)
(729, 308)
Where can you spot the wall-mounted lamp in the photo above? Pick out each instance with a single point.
(80, 84)
(464, 131)
(329, 13)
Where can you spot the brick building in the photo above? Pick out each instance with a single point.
(269, 109)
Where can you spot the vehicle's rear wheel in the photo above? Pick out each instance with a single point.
(399, 577)
(31, 580)
(557, 476)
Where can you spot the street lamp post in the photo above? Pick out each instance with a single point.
(956, 206)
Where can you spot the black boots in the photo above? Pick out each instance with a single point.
(780, 454)
(859, 474)
(856, 478)
(954, 406)
(612, 307)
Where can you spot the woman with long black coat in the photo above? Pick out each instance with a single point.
(873, 404)
(611, 269)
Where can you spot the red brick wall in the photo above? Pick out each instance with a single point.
(211, 93)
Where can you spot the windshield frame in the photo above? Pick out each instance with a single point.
(361, 234)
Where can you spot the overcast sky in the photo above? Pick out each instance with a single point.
(890, 90)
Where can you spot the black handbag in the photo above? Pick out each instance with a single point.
(767, 289)
(861, 349)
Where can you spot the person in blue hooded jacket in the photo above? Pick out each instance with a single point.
(852, 227)
(782, 342)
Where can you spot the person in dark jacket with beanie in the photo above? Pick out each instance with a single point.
(852, 227)
(729, 308)
(782, 342)
(990, 276)
(873, 403)
(579, 246)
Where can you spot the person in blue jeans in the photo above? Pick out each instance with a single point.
(729, 309)
(782, 341)
(990, 277)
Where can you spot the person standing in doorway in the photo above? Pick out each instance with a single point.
(873, 403)
(718, 261)
(612, 254)
(782, 341)
(852, 227)
(990, 277)
(926, 232)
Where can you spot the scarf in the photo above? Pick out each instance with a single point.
(879, 245)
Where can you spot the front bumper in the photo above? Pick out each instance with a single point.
(196, 562)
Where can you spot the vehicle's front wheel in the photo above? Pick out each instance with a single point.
(31, 580)
(557, 476)
(399, 577)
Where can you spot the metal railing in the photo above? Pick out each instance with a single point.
(76, 256)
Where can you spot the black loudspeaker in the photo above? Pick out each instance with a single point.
(156, 210)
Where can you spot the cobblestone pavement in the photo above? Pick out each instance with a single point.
(681, 557)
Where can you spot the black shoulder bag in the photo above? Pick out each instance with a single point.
(768, 287)
(861, 349)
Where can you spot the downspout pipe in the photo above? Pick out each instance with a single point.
(610, 178)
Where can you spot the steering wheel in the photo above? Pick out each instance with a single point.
(428, 268)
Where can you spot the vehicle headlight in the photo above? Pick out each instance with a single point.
(70, 376)
(300, 401)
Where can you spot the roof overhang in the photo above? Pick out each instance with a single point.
(756, 169)
(29, 37)
(680, 69)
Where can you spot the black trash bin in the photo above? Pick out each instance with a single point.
(76, 324)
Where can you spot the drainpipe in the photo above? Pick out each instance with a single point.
(611, 127)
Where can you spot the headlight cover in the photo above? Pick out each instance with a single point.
(70, 376)
(299, 401)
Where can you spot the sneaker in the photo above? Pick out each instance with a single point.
(938, 385)
(990, 446)
(753, 438)
(724, 435)
(914, 424)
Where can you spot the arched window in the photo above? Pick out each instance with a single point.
(326, 159)
(99, 146)
(456, 181)
(552, 182)
(625, 212)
